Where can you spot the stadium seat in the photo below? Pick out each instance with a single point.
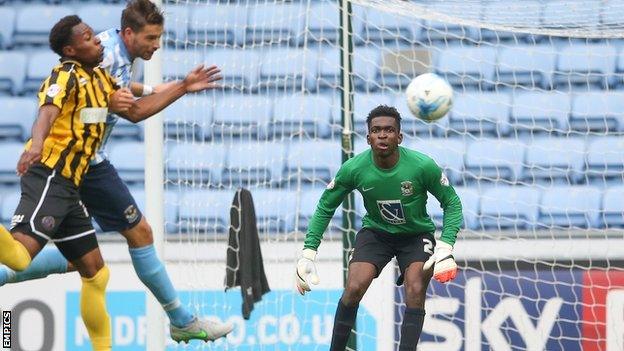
(613, 207)
(10, 153)
(362, 105)
(176, 23)
(101, 17)
(523, 14)
(254, 164)
(12, 72)
(205, 211)
(195, 163)
(481, 114)
(17, 117)
(366, 65)
(40, 66)
(494, 160)
(129, 160)
(185, 119)
(541, 112)
(585, 66)
(9, 201)
(276, 23)
(555, 160)
(309, 115)
(605, 160)
(126, 130)
(33, 23)
(171, 206)
(324, 22)
(313, 167)
(180, 62)
(447, 153)
(597, 111)
(382, 26)
(309, 200)
(470, 208)
(288, 69)
(274, 210)
(467, 66)
(239, 68)
(222, 24)
(530, 66)
(447, 31)
(570, 206)
(240, 116)
(7, 26)
(513, 207)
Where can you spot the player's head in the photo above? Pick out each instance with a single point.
(384, 130)
(141, 28)
(74, 39)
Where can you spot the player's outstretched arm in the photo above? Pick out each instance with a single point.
(200, 78)
(40, 130)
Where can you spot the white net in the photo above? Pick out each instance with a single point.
(533, 146)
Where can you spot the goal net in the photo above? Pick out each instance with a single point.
(533, 146)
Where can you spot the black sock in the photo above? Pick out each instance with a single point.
(410, 329)
(343, 322)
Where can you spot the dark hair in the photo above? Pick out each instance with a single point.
(139, 13)
(384, 111)
(61, 33)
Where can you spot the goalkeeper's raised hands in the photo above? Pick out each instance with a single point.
(445, 268)
(306, 271)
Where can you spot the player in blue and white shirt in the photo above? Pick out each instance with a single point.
(106, 196)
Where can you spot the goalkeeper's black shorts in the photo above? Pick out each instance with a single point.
(378, 248)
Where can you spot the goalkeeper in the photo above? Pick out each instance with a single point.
(394, 182)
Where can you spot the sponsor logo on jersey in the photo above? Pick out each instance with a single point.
(444, 180)
(391, 211)
(331, 184)
(407, 188)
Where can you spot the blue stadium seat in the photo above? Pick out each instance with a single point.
(205, 211)
(195, 163)
(448, 31)
(309, 199)
(126, 130)
(313, 167)
(324, 22)
(16, 117)
(254, 164)
(9, 202)
(217, 23)
(40, 66)
(597, 111)
(101, 17)
(33, 23)
(287, 68)
(555, 160)
(276, 23)
(530, 66)
(180, 62)
(494, 160)
(176, 23)
(513, 207)
(298, 114)
(470, 208)
(12, 71)
(366, 65)
(274, 210)
(239, 68)
(171, 206)
(467, 66)
(541, 112)
(7, 26)
(613, 207)
(447, 153)
(570, 206)
(10, 153)
(129, 160)
(241, 115)
(481, 114)
(382, 26)
(185, 119)
(522, 14)
(571, 15)
(605, 160)
(362, 105)
(585, 66)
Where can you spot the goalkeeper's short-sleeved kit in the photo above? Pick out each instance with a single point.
(395, 199)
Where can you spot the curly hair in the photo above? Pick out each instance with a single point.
(385, 111)
(61, 33)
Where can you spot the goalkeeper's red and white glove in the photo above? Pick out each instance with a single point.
(306, 271)
(445, 268)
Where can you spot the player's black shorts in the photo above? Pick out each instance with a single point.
(50, 209)
(108, 199)
(379, 248)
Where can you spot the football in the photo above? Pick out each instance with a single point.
(429, 97)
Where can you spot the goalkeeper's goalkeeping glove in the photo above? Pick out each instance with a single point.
(445, 268)
(306, 271)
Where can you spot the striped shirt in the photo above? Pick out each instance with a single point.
(77, 132)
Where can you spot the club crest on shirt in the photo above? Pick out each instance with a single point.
(444, 180)
(406, 188)
(53, 90)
